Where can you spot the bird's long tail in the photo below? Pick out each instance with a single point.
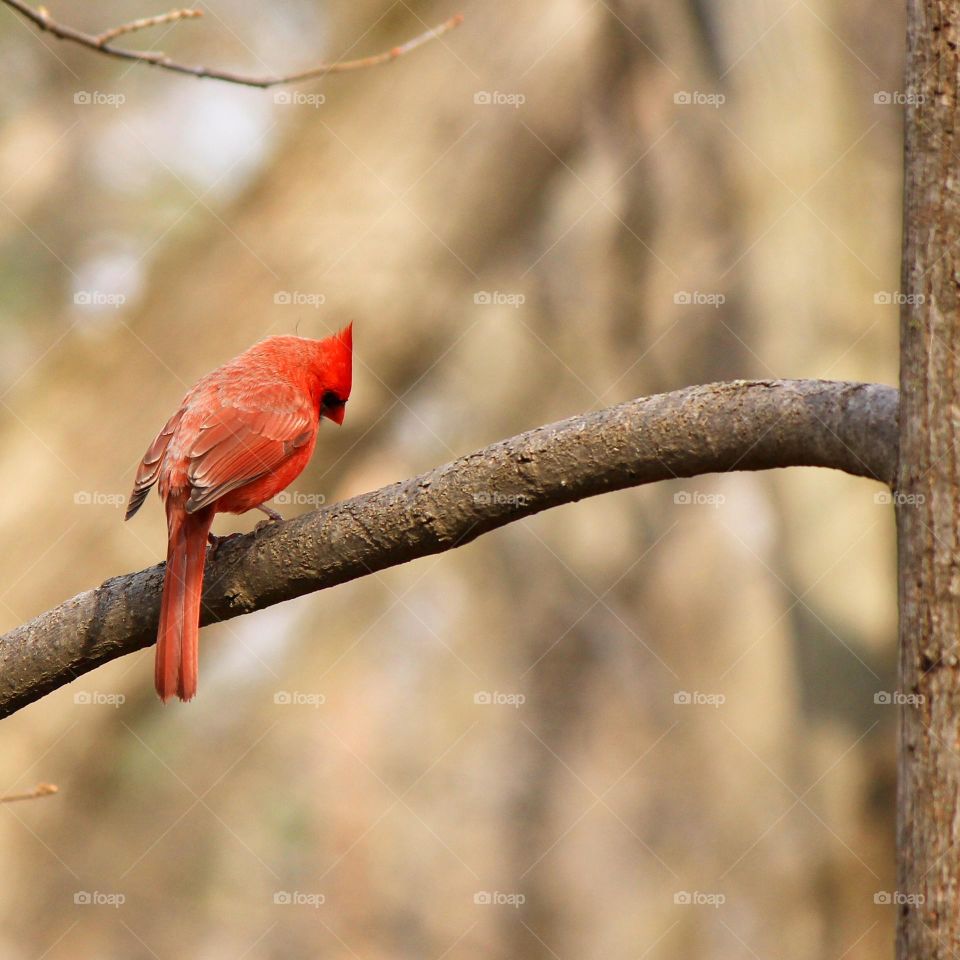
(178, 633)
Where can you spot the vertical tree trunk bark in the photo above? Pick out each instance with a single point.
(928, 827)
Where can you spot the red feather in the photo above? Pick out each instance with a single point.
(241, 435)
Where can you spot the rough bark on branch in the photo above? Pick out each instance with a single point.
(741, 425)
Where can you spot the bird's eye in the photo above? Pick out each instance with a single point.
(331, 400)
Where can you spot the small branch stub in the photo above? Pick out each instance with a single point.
(40, 790)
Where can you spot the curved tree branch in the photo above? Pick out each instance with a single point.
(103, 43)
(742, 425)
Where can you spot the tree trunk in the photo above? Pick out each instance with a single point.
(928, 806)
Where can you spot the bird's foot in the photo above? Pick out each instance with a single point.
(272, 518)
(215, 542)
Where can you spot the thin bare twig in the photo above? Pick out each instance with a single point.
(40, 790)
(144, 23)
(41, 17)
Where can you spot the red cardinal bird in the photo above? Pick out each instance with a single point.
(240, 436)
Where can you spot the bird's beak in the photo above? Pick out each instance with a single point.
(335, 414)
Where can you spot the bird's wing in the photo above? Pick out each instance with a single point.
(241, 443)
(149, 468)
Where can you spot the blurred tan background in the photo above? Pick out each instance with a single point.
(639, 726)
